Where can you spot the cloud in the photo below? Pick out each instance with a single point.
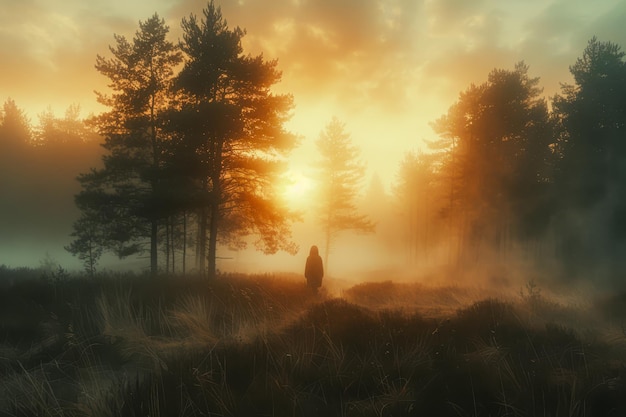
(348, 51)
(558, 35)
(48, 50)
(446, 17)
(350, 54)
(609, 26)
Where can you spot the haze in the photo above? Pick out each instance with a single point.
(387, 69)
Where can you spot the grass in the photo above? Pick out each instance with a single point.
(263, 345)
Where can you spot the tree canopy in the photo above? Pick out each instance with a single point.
(195, 145)
(509, 177)
(203, 140)
(499, 137)
(591, 142)
(340, 173)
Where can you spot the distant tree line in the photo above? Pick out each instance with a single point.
(194, 145)
(511, 175)
(38, 166)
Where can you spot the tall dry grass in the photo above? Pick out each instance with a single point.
(265, 345)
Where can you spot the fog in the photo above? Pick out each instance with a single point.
(390, 69)
(38, 187)
(468, 204)
(514, 189)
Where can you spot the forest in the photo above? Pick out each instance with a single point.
(192, 151)
(511, 221)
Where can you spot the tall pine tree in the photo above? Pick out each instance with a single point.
(124, 197)
(340, 174)
(591, 174)
(230, 130)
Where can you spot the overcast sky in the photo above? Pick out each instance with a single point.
(387, 68)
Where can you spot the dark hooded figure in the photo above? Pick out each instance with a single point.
(314, 270)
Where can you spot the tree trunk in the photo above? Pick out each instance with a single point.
(201, 242)
(92, 265)
(172, 236)
(216, 199)
(168, 245)
(184, 242)
(212, 271)
(213, 225)
(153, 248)
(327, 251)
(154, 227)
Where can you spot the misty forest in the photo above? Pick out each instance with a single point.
(509, 223)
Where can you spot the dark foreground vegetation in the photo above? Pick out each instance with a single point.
(240, 346)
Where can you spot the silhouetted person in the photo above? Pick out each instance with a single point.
(314, 269)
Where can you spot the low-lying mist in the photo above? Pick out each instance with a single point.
(136, 345)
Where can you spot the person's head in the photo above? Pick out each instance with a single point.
(314, 250)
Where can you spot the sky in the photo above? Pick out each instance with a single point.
(386, 68)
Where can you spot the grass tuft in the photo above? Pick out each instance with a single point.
(265, 345)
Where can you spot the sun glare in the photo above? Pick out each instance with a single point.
(298, 186)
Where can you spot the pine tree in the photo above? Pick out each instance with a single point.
(499, 136)
(126, 196)
(230, 128)
(340, 174)
(591, 171)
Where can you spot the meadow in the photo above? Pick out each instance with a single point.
(130, 345)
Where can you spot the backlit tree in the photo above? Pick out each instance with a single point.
(340, 175)
(499, 134)
(230, 132)
(591, 175)
(126, 195)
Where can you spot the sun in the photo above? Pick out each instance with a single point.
(297, 187)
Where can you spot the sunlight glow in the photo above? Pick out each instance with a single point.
(298, 187)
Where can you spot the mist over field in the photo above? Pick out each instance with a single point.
(333, 208)
(528, 200)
